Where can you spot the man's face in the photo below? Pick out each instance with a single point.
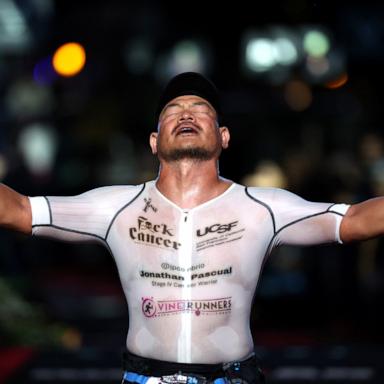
(188, 129)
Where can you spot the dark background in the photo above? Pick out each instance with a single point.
(65, 300)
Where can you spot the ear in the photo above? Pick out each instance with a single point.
(225, 137)
(153, 142)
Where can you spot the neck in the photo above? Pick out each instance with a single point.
(189, 183)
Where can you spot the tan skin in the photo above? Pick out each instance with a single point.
(189, 183)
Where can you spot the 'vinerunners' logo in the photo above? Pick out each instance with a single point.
(155, 308)
(148, 307)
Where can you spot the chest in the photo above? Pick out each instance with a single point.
(155, 238)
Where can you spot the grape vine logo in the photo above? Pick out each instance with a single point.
(155, 308)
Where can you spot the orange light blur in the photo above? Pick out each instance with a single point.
(339, 82)
(298, 95)
(69, 59)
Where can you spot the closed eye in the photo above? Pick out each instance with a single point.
(201, 107)
(172, 108)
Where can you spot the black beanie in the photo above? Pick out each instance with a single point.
(189, 83)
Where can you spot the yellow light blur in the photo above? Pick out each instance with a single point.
(72, 339)
(266, 174)
(69, 59)
(339, 82)
(298, 95)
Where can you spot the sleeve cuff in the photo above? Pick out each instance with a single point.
(41, 213)
(341, 210)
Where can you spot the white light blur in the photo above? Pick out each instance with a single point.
(285, 50)
(14, 32)
(187, 56)
(260, 54)
(38, 145)
(14, 24)
(274, 51)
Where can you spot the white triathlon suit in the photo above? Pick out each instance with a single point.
(189, 275)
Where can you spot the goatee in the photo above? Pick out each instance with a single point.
(198, 154)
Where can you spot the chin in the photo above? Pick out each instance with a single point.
(191, 153)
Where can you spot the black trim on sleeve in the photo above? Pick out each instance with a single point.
(74, 231)
(288, 225)
(121, 209)
(264, 205)
(49, 208)
(301, 219)
(336, 213)
(332, 205)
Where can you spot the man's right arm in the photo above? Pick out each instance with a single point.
(15, 210)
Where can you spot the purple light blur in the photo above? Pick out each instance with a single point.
(43, 72)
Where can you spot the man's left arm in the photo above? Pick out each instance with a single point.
(363, 221)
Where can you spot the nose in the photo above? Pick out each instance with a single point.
(186, 115)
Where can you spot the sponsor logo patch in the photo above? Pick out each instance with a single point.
(149, 205)
(156, 308)
(217, 234)
(157, 235)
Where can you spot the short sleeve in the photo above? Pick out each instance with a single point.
(298, 221)
(85, 217)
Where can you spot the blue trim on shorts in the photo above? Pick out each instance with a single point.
(141, 379)
(135, 378)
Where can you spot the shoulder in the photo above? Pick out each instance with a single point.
(107, 195)
(269, 194)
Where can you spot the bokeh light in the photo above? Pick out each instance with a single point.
(286, 52)
(38, 144)
(266, 174)
(316, 43)
(337, 83)
(298, 95)
(43, 72)
(69, 59)
(186, 55)
(260, 54)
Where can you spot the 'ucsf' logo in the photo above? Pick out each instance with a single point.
(218, 228)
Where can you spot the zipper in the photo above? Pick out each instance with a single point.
(185, 261)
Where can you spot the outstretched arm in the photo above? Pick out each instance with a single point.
(363, 221)
(15, 210)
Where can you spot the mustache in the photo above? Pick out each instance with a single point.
(186, 125)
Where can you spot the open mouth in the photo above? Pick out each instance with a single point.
(186, 130)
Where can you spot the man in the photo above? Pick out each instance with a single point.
(190, 245)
